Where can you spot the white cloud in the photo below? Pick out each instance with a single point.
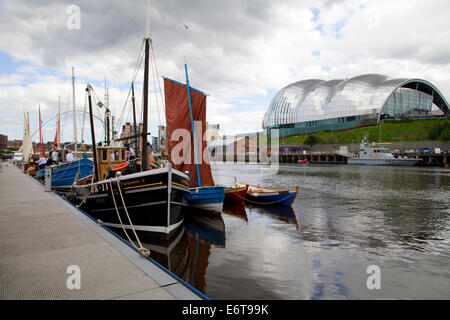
(237, 51)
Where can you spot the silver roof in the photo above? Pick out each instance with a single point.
(315, 99)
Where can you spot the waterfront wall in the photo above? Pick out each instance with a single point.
(413, 145)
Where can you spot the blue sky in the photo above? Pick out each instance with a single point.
(7, 63)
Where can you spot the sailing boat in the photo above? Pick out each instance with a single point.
(27, 147)
(184, 103)
(150, 202)
(64, 175)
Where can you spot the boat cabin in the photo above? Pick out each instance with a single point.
(109, 157)
(372, 152)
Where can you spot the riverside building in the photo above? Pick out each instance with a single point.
(314, 105)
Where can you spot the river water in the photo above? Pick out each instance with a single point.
(345, 219)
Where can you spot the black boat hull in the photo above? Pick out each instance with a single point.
(154, 201)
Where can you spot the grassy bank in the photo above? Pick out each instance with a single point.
(391, 131)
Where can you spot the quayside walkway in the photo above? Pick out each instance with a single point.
(41, 236)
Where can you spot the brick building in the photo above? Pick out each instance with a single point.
(3, 141)
(15, 143)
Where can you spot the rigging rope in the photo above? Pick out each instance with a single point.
(84, 117)
(157, 77)
(153, 65)
(133, 79)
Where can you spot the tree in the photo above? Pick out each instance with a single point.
(311, 140)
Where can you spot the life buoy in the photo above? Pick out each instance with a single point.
(121, 166)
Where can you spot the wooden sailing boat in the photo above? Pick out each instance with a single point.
(151, 202)
(186, 109)
(27, 148)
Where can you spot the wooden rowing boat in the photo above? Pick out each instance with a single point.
(236, 193)
(269, 196)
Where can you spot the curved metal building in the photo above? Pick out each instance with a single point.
(314, 105)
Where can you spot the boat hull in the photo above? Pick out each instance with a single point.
(64, 175)
(383, 162)
(280, 198)
(236, 194)
(154, 200)
(207, 198)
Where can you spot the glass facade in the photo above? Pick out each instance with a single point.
(303, 105)
(406, 101)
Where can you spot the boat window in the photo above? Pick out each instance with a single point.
(104, 156)
(123, 155)
(114, 155)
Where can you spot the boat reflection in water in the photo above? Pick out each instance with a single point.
(172, 254)
(281, 213)
(207, 227)
(203, 230)
(187, 252)
(236, 209)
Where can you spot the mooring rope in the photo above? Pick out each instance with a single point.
(85, 198)
(143, 251)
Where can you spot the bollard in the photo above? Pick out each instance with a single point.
(48, 179)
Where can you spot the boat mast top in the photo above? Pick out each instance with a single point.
(107, 116)
(94, 146)
(58, 137)
(74, 114)
(192, 125)
(144, 164)
(148, 20)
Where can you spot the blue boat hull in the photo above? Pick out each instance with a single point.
(207, 198)
(282, 199)
(64, 174)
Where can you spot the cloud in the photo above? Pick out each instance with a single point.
(237, 51)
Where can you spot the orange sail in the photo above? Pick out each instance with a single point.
(178, 117)
(55, 142)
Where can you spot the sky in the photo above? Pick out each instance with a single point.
(239, 52)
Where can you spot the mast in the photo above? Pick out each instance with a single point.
(33, 147)
(108, 116)
(74, 114)
(136, 138)
(94, 146)
(41, 140)
(112, 128)
(144, 161)
(193, 129)
(59, 122)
